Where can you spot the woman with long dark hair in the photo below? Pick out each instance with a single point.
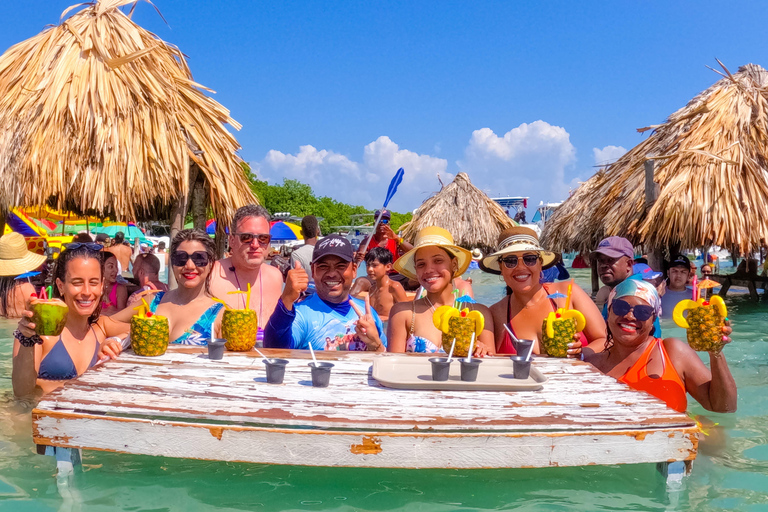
(49, 361)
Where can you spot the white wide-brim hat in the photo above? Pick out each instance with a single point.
(517, 239)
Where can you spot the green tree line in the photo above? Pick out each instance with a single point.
(299, 199)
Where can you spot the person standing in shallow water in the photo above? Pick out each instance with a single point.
(249, 243)
(678, 274)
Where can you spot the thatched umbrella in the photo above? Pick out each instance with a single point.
(711, 168)
(99, 115)
(472, 217)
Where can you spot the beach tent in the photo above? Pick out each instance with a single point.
(465, 211)
(710, 164)
(100, 116)
(281, 230)
(19, 222)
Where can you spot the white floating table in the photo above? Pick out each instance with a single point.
(183, 405)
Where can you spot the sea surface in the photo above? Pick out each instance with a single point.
(730, 473)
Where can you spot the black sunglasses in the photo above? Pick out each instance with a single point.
(247, 238)
(511, 261)
(641, 311)
(91, 246)
(199, 258)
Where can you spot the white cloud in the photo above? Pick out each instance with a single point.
(529, 160)
(608, 154)
(339, 177)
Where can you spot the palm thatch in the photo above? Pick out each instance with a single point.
(711, 161)
(100, 115)
(465, 211)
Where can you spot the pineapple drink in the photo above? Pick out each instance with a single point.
(559, 329)
(459, 325)
(239, 327)
(149, 333)
(49, 316)
(704, 323)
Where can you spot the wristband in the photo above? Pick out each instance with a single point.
(33, 340)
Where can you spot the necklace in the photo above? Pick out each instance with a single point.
(261, 288)
(431, 306)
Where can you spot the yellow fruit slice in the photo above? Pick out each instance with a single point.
(437, 317)
(682, 306)
(581, 322)
(551, 317)
(719, 305)
(479, 321)
(445, 325)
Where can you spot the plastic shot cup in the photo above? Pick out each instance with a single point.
(216, 349)
(469, 369)
(275, 370)
(441, 367)
(321, 374)
(522, 346)
(521, 368)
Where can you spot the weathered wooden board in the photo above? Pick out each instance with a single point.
(183, 405)
(364, 449)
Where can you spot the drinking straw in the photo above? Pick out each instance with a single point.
(530, 351)
(248, 297)
(262, 355)
(568, 295)
(510, 333)
(471, 346)
(312, 351)
(450, 354)
(226, 306)
(694, 283)
(43, 295)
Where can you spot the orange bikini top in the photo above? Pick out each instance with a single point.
(669, 387)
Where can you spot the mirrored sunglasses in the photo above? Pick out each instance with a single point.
(511, 261)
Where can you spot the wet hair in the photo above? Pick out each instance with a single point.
(244, 212)
(119, 238)
(7, 284)
(379, 254)
(197, 235)
(60, 272)
(309, 226)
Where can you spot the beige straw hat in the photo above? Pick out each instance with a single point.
(517, 239)
(433, 236)
(15, 258)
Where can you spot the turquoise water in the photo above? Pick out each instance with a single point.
(731, 472)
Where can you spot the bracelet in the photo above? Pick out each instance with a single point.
(33, 340)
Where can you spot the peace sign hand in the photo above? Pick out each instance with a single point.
(366, 328)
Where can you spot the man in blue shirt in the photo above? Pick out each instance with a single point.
(330, 319)
(678, 273)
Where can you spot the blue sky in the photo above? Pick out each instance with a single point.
(525, 97)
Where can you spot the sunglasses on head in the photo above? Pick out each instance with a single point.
(91, 246)
(511, 261)
(247, 238)
(640, 312)
(180, 258)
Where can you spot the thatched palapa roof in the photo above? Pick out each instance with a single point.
(472, 217)
(100, 115)
(711, 167)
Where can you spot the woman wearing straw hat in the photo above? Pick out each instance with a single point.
(15, 260)
(49, 361)
(435, 261)
(519, 260)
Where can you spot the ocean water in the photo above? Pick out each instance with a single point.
(730, 473)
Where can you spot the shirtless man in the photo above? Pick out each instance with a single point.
(121, 251)
(249, 245)
(383, 292)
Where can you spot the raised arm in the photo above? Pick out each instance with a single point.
(25, 357)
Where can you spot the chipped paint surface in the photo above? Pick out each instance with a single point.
(153, 406)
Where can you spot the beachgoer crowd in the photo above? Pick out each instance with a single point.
(318, 302)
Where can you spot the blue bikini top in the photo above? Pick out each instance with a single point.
(58, 365)
(201, 331)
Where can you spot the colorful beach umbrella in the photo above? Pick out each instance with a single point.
(281, 230)
(131, 231)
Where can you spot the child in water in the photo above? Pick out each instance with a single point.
(383, 292)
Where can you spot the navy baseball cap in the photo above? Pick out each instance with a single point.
(384, 214)
(333, 245)
(680, 261)
(616, 247)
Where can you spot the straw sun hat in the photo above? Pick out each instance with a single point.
(516, 239)
(15, 259)
(432, 236)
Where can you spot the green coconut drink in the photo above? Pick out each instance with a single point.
(49, 316)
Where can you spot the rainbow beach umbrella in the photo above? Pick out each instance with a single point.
(281, 230)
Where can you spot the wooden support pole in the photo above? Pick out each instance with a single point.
(595, 277)
(655, 255)
(179, 215)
